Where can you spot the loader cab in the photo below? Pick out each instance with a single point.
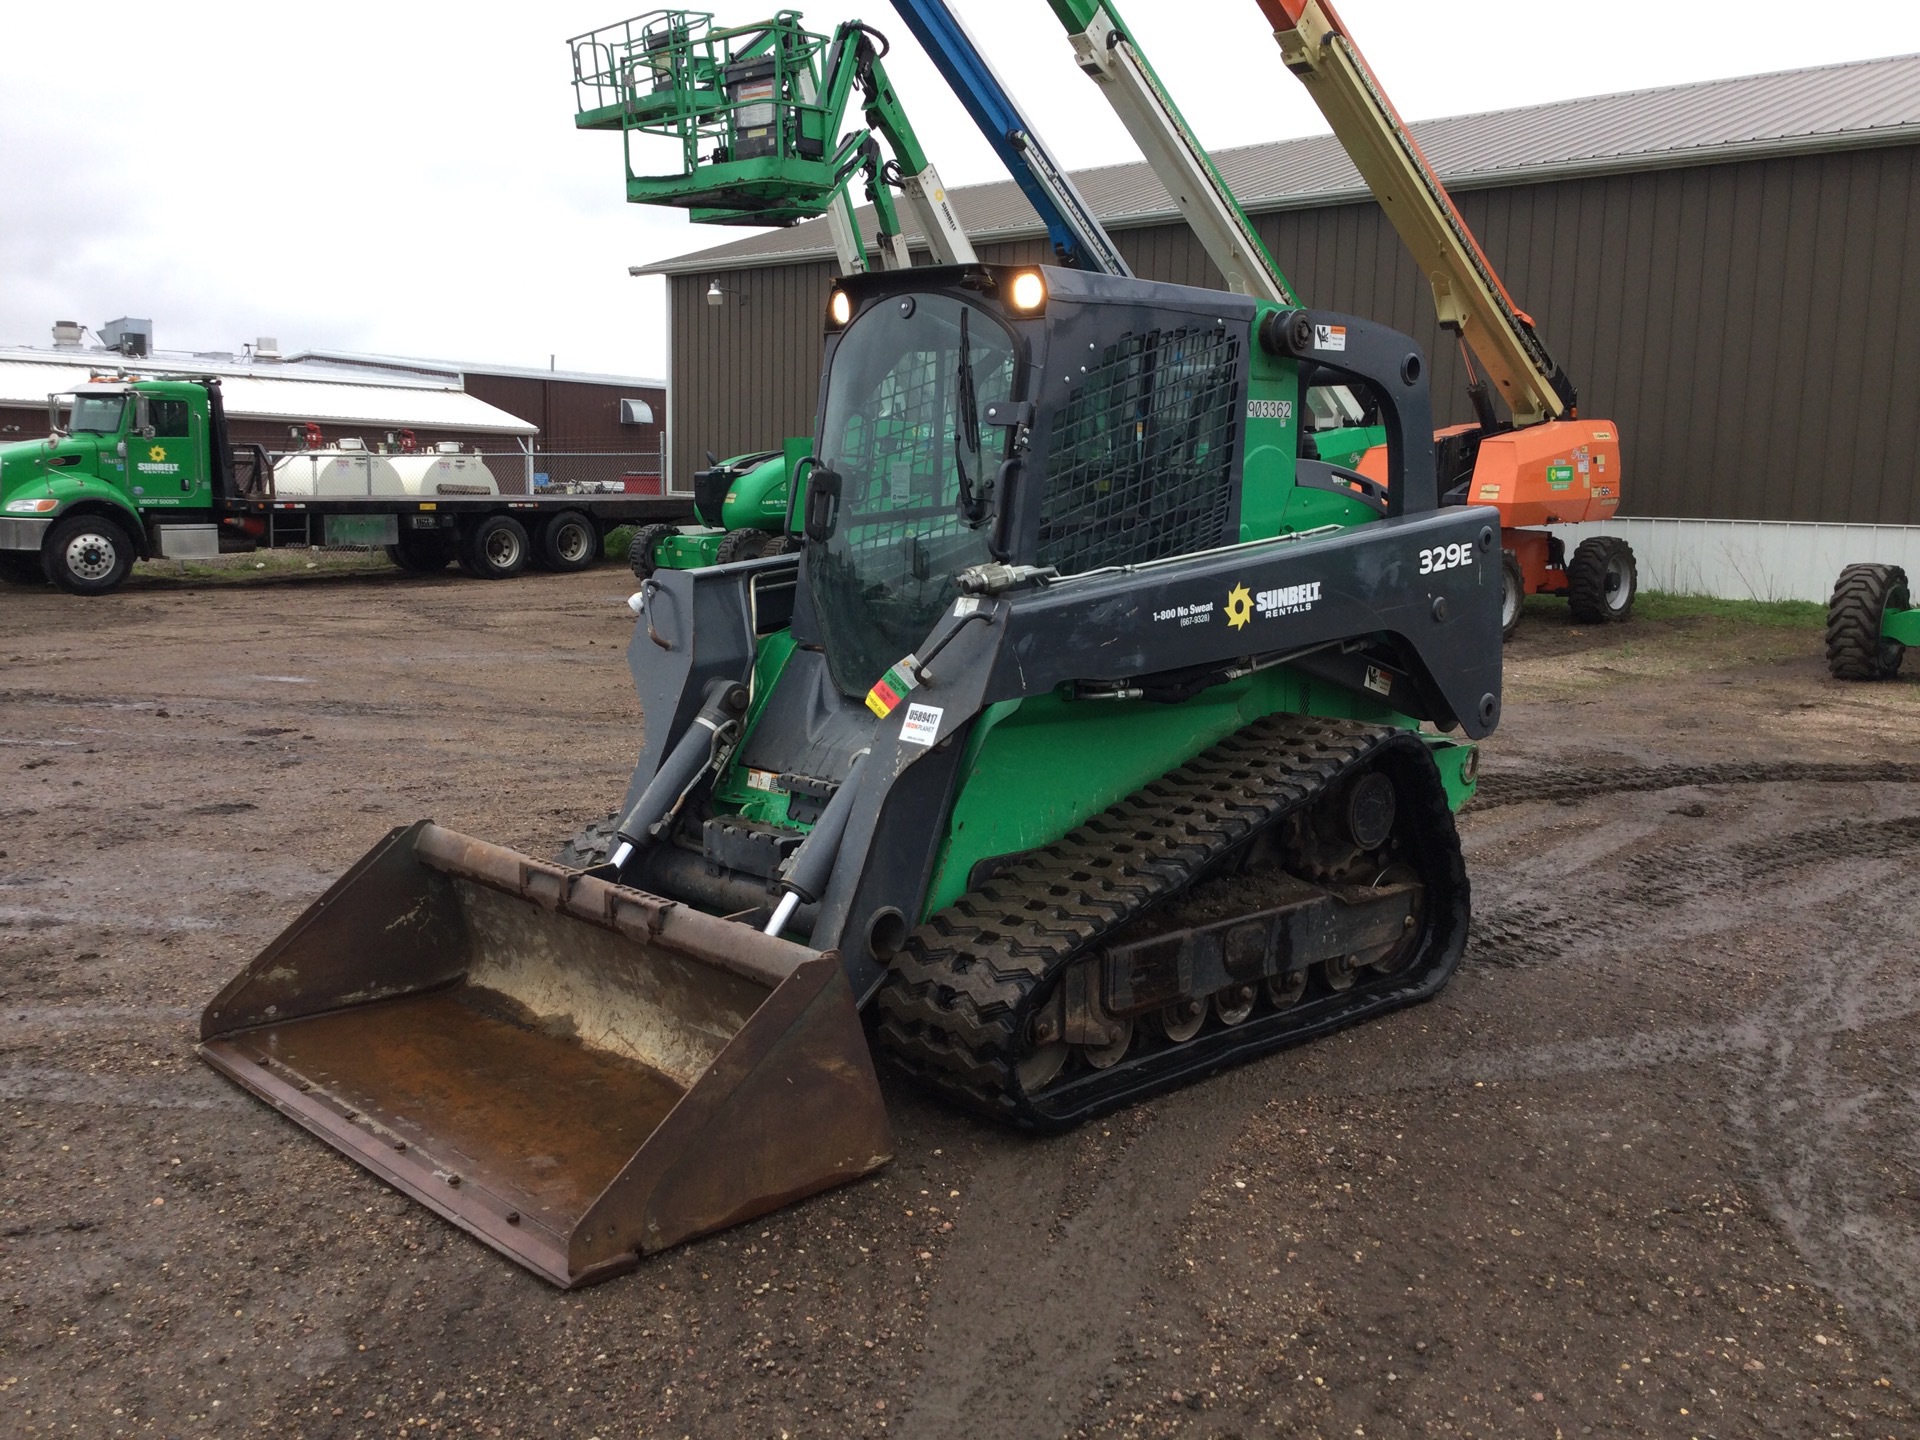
(1031, 415)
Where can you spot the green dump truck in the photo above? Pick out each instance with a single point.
(139, 468)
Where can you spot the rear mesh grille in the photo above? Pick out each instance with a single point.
(1140, 462)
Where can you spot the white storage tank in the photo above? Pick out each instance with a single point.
(443, 471)
(343, 471)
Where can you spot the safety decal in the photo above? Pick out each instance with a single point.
(1379, 681)
(1489, 492)
(922, 725)
(1329, 337)
(891, 688)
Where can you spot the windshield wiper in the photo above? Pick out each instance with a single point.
(966, 428)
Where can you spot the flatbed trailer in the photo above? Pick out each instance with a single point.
(142, 468)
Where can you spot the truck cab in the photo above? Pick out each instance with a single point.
(126, 473)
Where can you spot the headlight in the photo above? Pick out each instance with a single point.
(1029, 290)
(840, 307)
(31, 507)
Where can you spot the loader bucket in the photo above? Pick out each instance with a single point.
(577, 1073)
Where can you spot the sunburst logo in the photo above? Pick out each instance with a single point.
(156, 453)
(1239, 606)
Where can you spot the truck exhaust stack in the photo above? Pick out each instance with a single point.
(574, 1072)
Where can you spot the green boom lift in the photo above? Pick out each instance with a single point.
(754, 113)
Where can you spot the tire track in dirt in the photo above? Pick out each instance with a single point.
(1499, 788)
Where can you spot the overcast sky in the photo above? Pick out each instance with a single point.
(404, 177)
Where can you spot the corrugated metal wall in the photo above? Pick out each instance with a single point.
(1754, 328)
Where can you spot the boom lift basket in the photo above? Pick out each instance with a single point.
(575, 1072)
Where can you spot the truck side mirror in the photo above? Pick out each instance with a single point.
(823, 503)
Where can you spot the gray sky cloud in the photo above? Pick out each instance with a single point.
(407, 178)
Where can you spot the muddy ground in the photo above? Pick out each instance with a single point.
(1650, 1166)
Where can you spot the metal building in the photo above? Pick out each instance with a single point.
(1730, 270)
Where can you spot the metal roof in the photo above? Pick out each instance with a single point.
(454, 369)
(253, 392)
(1829, 107)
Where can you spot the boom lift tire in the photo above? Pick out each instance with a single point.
(1602, 581)
(1513, 593)
(1856, 650)
(742, 545)
(18, 568)
(568, 542)
(646, 540)
(496, 549)
(88, 554)
(420, 553)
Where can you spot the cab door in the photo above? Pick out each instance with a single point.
(170, 465)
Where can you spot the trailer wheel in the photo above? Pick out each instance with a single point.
(1856, 650)
(88, 554)
(22, 567)
(496, 550)
(645, 541)
(1602, 580)
(420, 553)
(569, 542)
(742, 545)
(1513, 593)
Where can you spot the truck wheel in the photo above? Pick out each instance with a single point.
(22, 568)
(496, 549)
(1601, 581)
(1513, 593)
(741, 545)
(645, 541)
(88, 554)
(1856, 650)
(569, 542)
(420, 554)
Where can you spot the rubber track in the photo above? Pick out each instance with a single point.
(953, 1010)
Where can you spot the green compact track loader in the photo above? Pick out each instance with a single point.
(1094, 740)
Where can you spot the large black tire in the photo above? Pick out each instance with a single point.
(1856, 650)
(1602, 581)
(496, 549)
(641, 556)
(22, 567)
(742, 545)
(422, 552)
(88, 554)
(1513, 593)
(591, 846)
(569, 542)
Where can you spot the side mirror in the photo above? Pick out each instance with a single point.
(823, 503)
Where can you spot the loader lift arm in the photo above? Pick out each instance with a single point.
(1467, 293)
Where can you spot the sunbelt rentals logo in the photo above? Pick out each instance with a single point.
(156, 462)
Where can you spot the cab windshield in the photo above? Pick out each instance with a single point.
(95, 414)
(900, 427)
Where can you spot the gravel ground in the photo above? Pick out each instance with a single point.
(1650, 1166)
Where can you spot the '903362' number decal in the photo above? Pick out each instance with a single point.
(1445, 557)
